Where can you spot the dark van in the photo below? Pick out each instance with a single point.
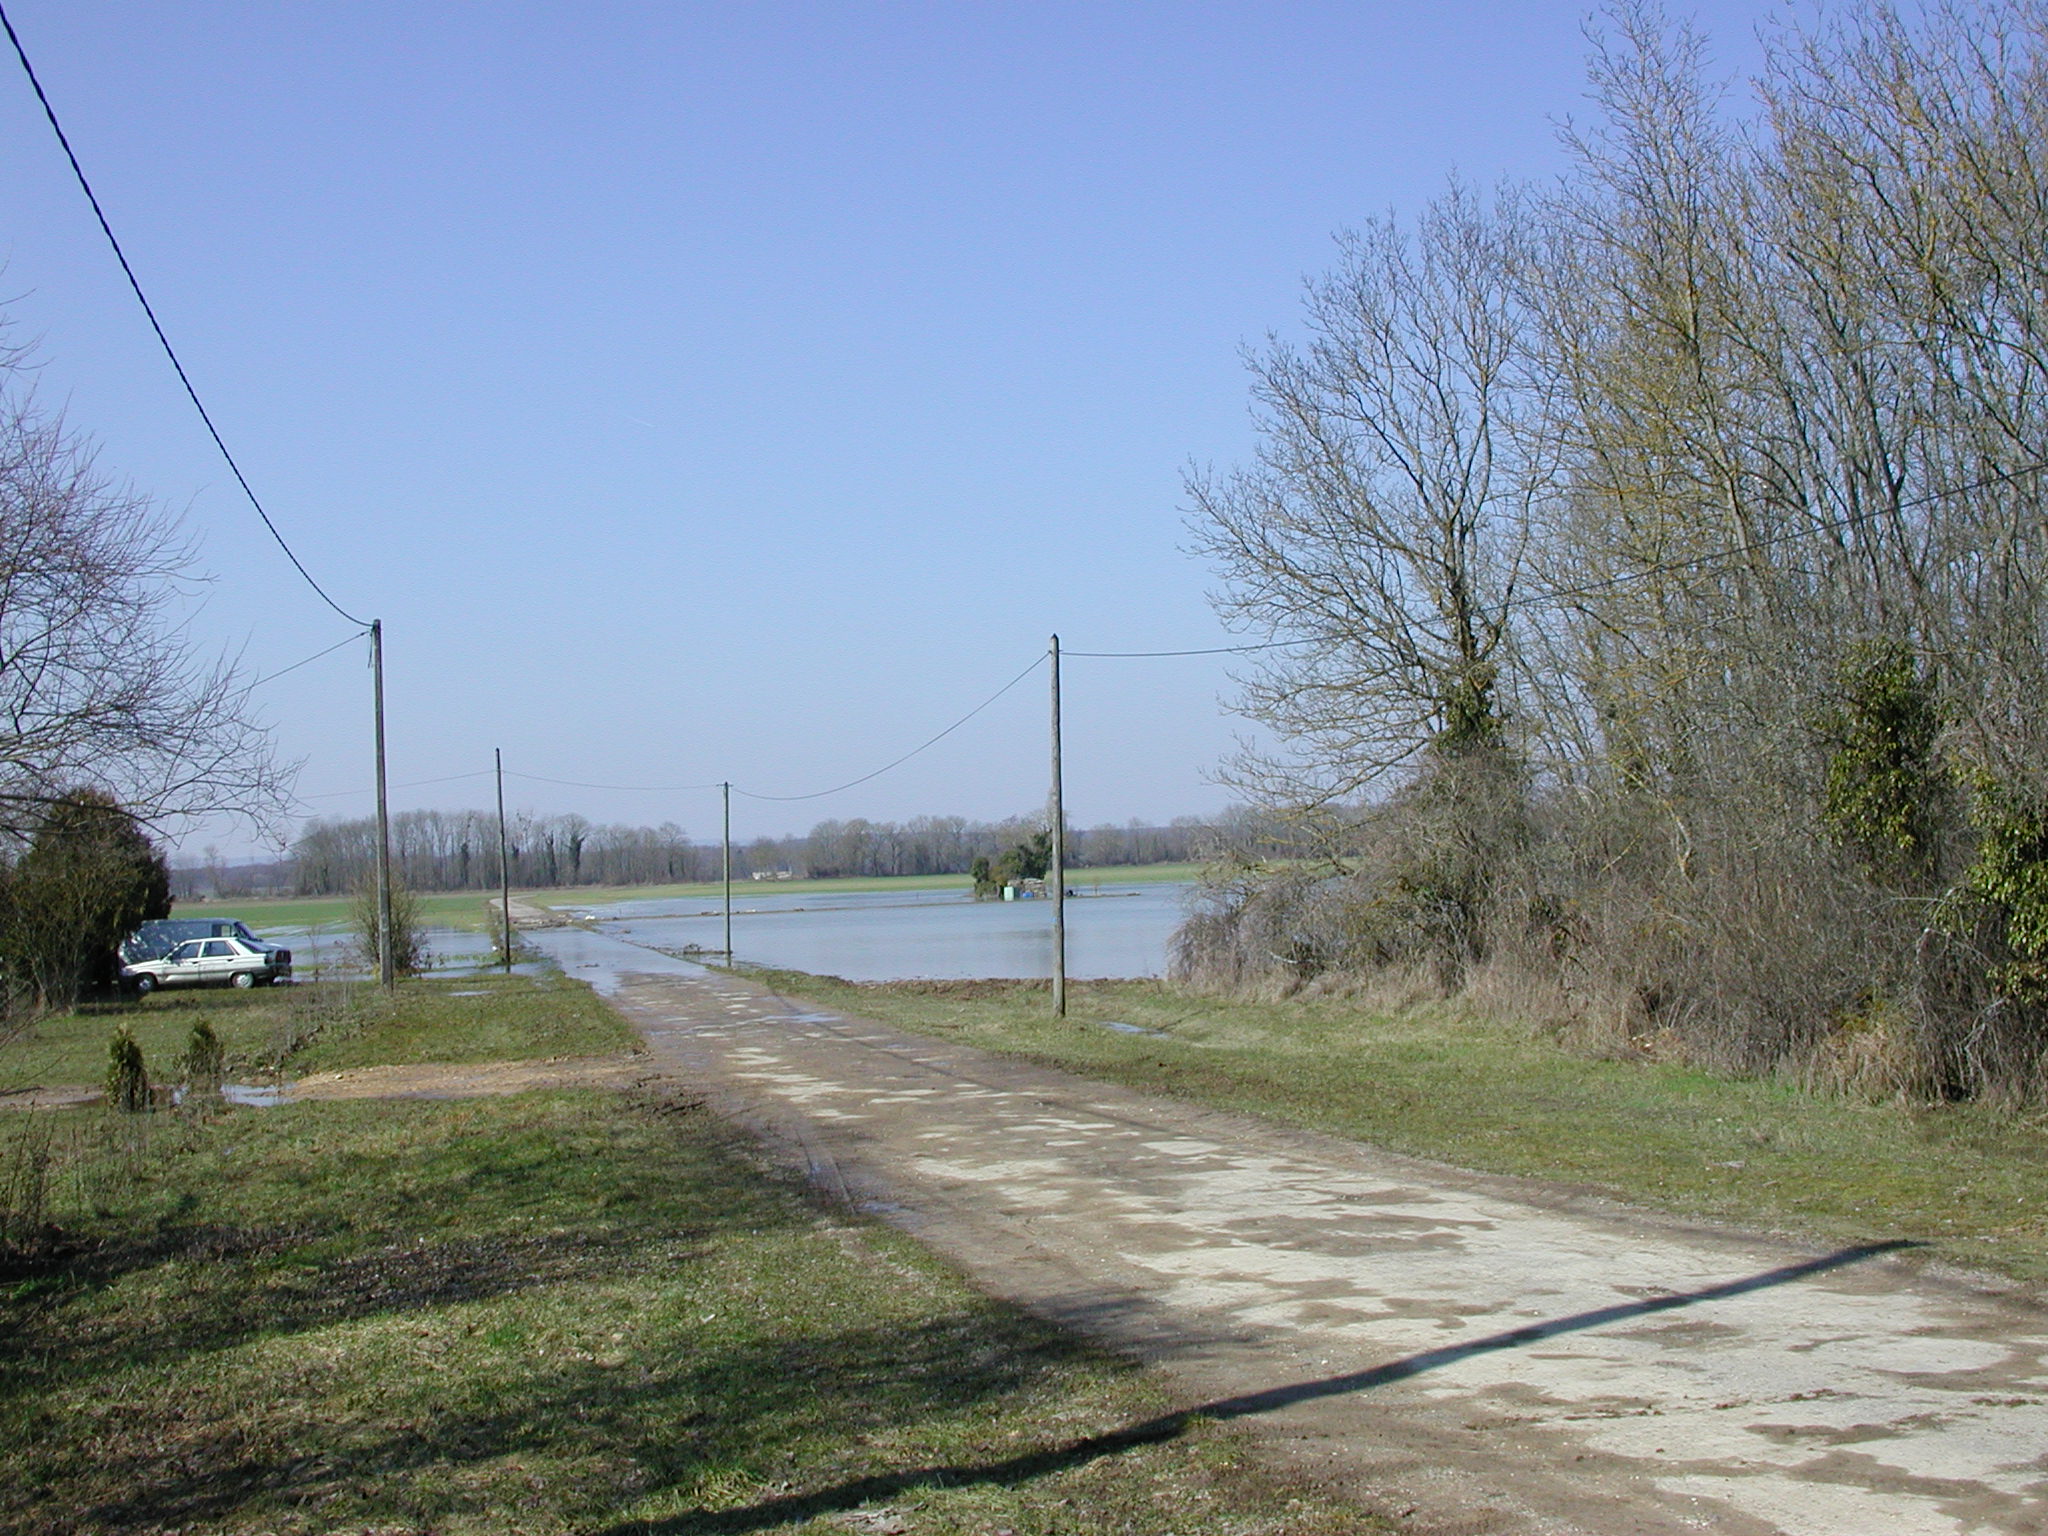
(157, 938)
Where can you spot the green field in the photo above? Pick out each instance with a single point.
(449, 909)
(1969, 1180)
(553, 1312)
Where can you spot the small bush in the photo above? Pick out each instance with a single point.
(409, 954)
(25, 1170)
(127, 1077)
(204, 1061)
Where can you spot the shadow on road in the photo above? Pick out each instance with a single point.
(794, 1508)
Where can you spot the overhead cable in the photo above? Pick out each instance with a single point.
(337, 794)
(1556, 595)
(1213, 650)
(121, 256)
(819, 794)
(280, 672)
(636, 789)
(1790, 536)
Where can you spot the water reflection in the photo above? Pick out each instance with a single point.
(329, 954)
(1112, 931)
(255, 1095)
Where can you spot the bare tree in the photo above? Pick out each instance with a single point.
(1715, 480)
(99, 686)
(1384, 523)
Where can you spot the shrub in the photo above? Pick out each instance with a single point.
(1885, 794)
(89, 877)
(409, 954)
(204, 1061)
(127, 1078)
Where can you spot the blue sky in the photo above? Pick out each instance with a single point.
(741, 392)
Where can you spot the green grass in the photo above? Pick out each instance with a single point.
(548, 1313)
(1434, 1081)
(326, 1026)
(446, 909)
(471, 1019)
(71, 1049)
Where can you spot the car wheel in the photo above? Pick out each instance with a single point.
(144, 985)
(245, 979)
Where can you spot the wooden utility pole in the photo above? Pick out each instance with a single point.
(387, 972)
(727, 788)
(1059, 854)
(504, 861)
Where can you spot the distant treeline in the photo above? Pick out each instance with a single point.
(217, 878)
(458, 850)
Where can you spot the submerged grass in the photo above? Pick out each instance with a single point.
(475, 910)
(600, 896)
(1436, 1081)
(556, 1312)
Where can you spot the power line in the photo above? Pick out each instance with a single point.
(1601, 584)
(1036, 663)
(280, 672)
(1832, 525)
(135, 283)
(337, 794)
(1213, 650)
(637, 789)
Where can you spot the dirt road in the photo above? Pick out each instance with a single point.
(1468, 1354)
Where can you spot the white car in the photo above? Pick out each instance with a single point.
(220, 961)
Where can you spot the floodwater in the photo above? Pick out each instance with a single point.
(328, 953)
(1112, 931)
(254, 1095)
(602, 959)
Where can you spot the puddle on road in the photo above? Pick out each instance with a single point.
(604, 960)
(255, 1095)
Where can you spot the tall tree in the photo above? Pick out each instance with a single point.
(1385, 521)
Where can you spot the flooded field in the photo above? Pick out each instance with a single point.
(1112, 931)
(328, 953)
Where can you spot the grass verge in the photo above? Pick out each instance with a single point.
(470, 1019)
(1434, 1081)
(326, 1026)
(554, 1312)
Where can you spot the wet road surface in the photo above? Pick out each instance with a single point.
(1466, 1353)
